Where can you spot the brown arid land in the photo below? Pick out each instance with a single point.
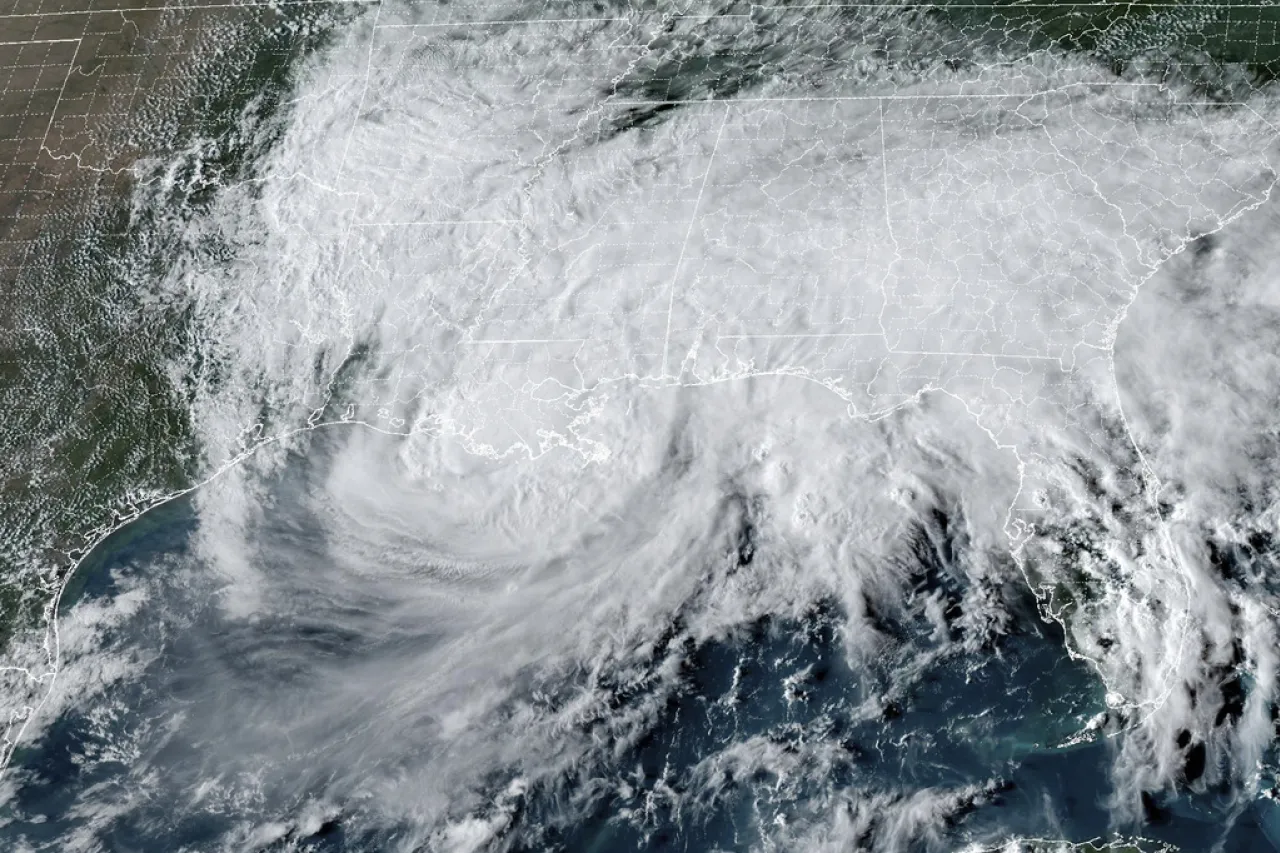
(93, 429)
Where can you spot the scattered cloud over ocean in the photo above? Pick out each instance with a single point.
(569, 377)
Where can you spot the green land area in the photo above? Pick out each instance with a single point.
(95, 423)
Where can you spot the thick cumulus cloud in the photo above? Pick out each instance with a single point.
(429, 644)
(548, 354)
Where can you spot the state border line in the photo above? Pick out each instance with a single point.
(180, 7)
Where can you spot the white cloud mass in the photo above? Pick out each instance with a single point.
(546, 352)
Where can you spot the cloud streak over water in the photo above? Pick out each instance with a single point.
(714, 403)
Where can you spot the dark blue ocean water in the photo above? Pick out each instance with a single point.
(990, 720)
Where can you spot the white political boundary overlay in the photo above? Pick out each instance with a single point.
(51, 648)
(138, 505)
(1017, 530)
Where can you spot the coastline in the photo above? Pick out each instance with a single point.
(97, 435)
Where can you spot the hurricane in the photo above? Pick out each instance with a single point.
(702, 426)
